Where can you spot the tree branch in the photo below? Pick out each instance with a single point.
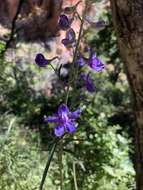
(13, 27)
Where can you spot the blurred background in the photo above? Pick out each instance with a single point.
(101, 152)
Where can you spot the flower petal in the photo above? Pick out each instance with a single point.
(51, 119)
(101, 24)
(70, 127)
(94, 62)
(76, 114)
(63, 112)
(80, 61)
(64, 22)
(63, 109)
(65, 42)
(40, 60)
(90, 84)
(59, 130)
(70, 35)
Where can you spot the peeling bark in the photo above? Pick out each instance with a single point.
(128, 22)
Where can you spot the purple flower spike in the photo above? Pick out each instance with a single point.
(64, 120)
(70, 37)
(95, 63)
(41, 61)
(64, 22)
(88, 82)
(80, 61)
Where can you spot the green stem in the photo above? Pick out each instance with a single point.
(67, 94)
(73, 74)
(48, 164)
(61, 164)
(74, 176)
(54, 69)
(82, 23)
(58, 77)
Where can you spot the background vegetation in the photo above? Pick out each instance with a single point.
(99, 154)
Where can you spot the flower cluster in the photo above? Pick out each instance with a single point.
(65, 24)
(93, 61)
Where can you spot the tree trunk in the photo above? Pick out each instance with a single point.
(128, 22)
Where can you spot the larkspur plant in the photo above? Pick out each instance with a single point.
(64, 120)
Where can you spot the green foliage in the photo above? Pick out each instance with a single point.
(106, 151)
(100, 153)
(2, 47)
(21, 165)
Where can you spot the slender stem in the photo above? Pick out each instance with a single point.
(48, 164)
(61, 164)
(67, 94)
(74, 176)
(79, 38)
(82, 22)
(72, 75)
(58, 75)
(54, 69)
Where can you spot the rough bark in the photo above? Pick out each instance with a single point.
(128, 22)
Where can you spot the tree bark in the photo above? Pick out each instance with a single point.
(128, 22)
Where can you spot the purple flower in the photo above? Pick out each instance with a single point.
(64, 120)
(94, 62)
(89, 84)
(41, 61)
(70, 37)
(64, 22)
(80, 61)
(100, 24)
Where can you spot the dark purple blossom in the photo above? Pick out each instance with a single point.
(88, 81)
(41, 61)
(64, 120)
(64, 22)
(70, 37)
(94, 62)
(100, 24)
(80, 61)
